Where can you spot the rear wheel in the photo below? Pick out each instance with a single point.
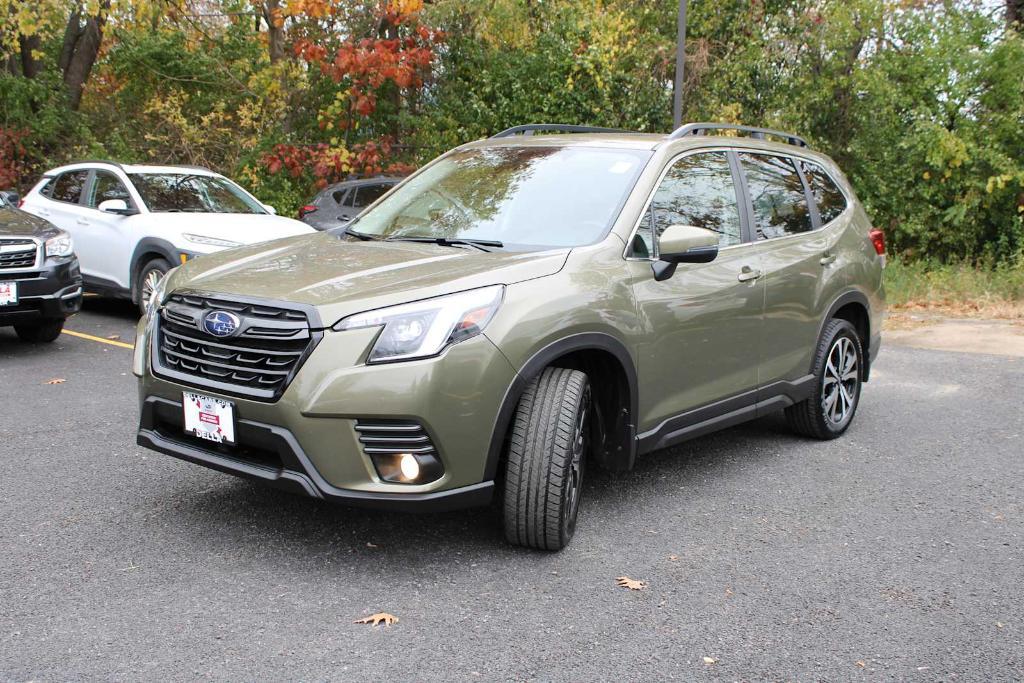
(149, 277)
(547, 453)
(838, 369)
(41, 332)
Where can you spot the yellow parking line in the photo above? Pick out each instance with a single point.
(82, 335)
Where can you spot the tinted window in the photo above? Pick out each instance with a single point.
(368, 194)
(107, 186)
(47, 189)
(338, 196)
(526, 197)
(697, 190)
(68, 187)
(192, 193)
(829, 198)
(777, 194)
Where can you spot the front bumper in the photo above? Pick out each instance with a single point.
(307, 442)
(52, 292)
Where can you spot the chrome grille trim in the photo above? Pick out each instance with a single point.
(393, 437)
(20, 254)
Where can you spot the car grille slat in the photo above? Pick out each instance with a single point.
(258, 362)
(393, 437)
(18, 253)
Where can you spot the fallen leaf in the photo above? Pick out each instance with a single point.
(631, 584)
(673, 558)
(728, 592)
(710, 660)
(377, 618)
(56, 380)
(999, 624)
(861, 664)
(371, 545)
(114, 336)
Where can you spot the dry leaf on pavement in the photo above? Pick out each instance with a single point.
(673, 558)
(56, 380)
(375, 619)
(631, 584)
(710, 660)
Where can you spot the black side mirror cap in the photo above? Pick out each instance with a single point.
(665, 266)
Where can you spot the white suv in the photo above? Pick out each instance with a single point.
(131, 224)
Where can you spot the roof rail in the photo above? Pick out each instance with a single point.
(93, 161)
(759, 133)
(531, 128)
(184, 166)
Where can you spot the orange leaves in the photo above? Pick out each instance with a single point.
(329, 164)
(378, 618)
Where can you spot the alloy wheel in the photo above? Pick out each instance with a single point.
(840, 382)
(149, 284)
(580, 440)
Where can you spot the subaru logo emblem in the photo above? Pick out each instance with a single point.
(221, 323)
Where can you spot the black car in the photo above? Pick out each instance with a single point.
(40, 283)
(337, 204)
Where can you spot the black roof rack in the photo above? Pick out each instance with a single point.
(759, 133)
(531, 128)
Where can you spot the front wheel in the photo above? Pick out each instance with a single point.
(548, 448)
(838, 370)
(149, 277)
(40, 333)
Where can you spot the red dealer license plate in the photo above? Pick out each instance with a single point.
(209, 418)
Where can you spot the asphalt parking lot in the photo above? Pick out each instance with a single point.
(892, 553)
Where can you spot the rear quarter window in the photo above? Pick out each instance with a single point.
(830, 199)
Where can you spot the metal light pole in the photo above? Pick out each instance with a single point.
(677, 103)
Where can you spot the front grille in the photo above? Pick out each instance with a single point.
(258, 361)
(17, 253)
(393, 437)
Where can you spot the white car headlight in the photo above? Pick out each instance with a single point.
(425, 328)
(210, 241)
(61, 245)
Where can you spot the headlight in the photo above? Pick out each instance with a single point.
(425, 328)
(211, 241)
(61, 245)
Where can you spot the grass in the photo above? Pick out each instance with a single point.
(958, 290)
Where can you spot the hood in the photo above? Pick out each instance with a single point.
(17, 223)
(236, 227)
(341, 276)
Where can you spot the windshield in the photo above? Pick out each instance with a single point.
(188, 192)
(522, 197)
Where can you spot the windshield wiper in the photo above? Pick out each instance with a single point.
(482, 245)
(359, 235)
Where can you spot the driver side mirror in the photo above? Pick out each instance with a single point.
(683, 244)
(117, 206)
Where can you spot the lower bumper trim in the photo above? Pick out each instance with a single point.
(282, 464)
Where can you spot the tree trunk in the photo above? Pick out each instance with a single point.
(30, 66)
(1015, 14)
(275, 33)
(81, 46)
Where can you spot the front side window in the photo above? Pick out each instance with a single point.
(368, 194)
(68, 186)
(698, 190)
(192, 193)
(107, 186)
(830, 199)
(777, 195)
(528, 197)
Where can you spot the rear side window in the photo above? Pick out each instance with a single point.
(68, 187)
(47, 189)
(830, 199)
(777, 194)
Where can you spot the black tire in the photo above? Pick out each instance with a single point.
(833, 403)
(42, 332)
(548, 448)
(157, 267)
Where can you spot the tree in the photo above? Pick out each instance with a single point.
(82, 39)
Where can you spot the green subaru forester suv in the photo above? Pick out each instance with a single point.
(521, 308)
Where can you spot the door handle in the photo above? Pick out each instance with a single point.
(82, 221)
(747, 274)
(827, 259)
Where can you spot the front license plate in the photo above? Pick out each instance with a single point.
(8, 293)
(209, 418)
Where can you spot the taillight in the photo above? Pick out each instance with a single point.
(21, 203)
(878, 239)
(308, 208)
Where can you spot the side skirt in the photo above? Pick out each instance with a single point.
(726, 413)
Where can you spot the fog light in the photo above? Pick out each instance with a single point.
(410, 468)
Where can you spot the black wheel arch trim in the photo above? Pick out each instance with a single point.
(598, 341)
(851, 296)
(150, 245)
